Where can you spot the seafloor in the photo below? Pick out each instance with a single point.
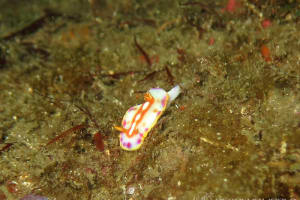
(70, 69)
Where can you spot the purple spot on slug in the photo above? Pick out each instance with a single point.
(163, 101)
(139, 141)
(124, 123)
(146, 129)
(131, 109)
(121, 138)
(158, 113)
(128, 145)
(141, 134)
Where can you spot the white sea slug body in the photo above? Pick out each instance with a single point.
(140, 119)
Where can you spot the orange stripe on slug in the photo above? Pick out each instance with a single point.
(138, 117)
(141, 112)
(121, 129)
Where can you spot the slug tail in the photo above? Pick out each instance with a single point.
(173, 93)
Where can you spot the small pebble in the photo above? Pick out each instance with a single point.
(130, 190)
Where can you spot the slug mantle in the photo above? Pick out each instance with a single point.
(140, 119)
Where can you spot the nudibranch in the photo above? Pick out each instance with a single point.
(140, 119)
